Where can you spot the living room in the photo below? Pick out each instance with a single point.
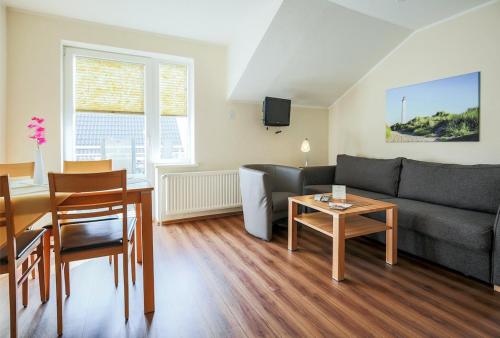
(253, 168)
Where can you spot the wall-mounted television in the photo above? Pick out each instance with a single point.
(276, 111)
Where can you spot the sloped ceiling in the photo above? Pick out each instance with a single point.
(315, 50)
(311, 51)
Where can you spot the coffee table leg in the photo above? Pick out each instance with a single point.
(292, 226)
(391, 236)
(338, 254)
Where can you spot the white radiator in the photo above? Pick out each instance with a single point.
(192, 193)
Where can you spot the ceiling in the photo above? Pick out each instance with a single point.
(315, 50)
(311, 51)
(412, 14)
(216, 21)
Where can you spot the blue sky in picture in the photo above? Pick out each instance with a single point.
(453, 95)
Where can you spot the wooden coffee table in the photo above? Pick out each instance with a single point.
(342, 225)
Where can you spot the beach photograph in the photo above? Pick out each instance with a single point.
(444, 110)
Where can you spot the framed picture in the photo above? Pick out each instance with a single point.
(445, 110)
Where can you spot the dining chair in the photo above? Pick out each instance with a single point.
(17, 170)
(16, 253)
(100, 194)
(84, 167)
(81, 167)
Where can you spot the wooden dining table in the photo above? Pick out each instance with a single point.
(30, 203)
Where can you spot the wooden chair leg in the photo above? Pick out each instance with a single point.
(13, 299)
(59, 296)
(41, 272)
(132, 259)
(110, 260)
(32, 261)
(125, 281)
(46, 263)
(25, 266)
(67, 286)
(115, 260)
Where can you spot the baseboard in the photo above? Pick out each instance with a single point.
(201, 217)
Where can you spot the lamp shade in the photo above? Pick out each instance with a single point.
(305, 147)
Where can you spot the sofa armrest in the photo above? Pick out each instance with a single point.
(495, 257)
(256, 195)
(319, 175)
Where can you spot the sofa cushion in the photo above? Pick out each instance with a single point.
(367, 194)
(466, 228)
(280, 200)
(326, 188)
(368, 174)
(317, 189)
(473, 187)
(317, 175)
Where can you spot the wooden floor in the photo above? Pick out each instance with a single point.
(214, 280)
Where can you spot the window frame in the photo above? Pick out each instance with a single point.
(151, 62)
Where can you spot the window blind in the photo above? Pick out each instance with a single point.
(109, 86)
(173, 90)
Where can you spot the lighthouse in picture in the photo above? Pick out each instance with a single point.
(403, 109)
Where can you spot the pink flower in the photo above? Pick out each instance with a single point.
(38, 131)
(39, 120)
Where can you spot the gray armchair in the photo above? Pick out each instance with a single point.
(265, 189)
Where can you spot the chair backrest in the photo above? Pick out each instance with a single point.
(6, 217)
(106, 190)
(26, 169)
(80, 167)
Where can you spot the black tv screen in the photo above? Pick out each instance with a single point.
(276, 111)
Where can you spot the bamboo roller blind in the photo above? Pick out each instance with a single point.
(173, 90)
(111, 86)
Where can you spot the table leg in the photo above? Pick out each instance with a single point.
(147, 252)
(138, 231)
(338, 254)
(391, 236)
(292, 226)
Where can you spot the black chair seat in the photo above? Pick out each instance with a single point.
(49, 226)
(94, 234)
(24, 242)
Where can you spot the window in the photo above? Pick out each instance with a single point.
(133, 109)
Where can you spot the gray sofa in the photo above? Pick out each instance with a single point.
(448, 214)
(265, 189)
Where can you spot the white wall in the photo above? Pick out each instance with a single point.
(34, 86)
(462, 45)
(3, 78)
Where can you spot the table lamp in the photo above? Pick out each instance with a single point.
(305, 148)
